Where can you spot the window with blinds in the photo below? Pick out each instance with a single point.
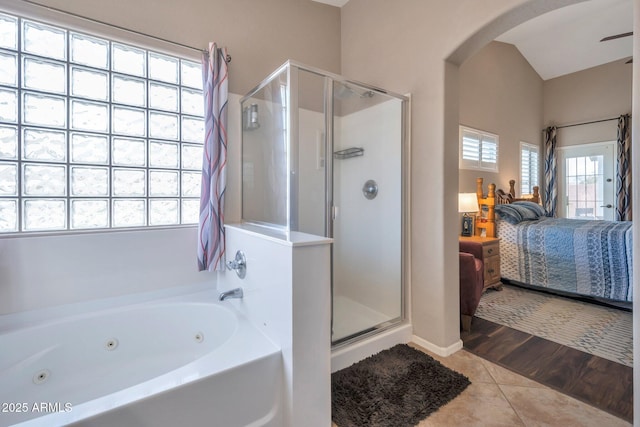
(478, 150)
(529, 167)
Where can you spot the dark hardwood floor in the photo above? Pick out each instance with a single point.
(599, 382)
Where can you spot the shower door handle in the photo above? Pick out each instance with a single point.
(334, 212)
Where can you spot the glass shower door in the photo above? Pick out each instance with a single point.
(324, 156)
(265, 197)
(367, 211)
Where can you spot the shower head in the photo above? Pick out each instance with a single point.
(344, 92)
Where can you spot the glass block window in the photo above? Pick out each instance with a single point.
(95, 133)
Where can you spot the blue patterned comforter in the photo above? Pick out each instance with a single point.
(578, 256)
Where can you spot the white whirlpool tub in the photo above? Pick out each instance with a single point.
(179, 361)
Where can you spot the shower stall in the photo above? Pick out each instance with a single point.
(325, 155)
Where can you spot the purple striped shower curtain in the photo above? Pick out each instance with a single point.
(211, 244)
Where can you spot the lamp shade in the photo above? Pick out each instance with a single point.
(467, 202)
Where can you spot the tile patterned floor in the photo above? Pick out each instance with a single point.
(499, 397)
(593, 380)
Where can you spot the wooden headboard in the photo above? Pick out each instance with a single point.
(486, 220)
(503, 198)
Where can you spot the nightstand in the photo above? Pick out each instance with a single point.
(490, 258)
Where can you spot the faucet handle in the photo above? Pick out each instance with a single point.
(239, 264)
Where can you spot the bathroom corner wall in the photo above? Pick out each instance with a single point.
(39, 271)
(287, 296)
(43, 271)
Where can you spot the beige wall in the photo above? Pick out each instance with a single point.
(404, 46)
(598, 93)
(260, 35)
(500, 93)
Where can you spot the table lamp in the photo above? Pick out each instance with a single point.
(467, 203)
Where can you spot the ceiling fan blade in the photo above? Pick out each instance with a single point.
(617, 36)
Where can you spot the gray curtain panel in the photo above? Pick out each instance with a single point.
(623, 176)
(550, 171)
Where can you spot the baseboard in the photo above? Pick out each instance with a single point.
(440, 351)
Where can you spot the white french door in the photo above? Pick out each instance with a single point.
(586, 186)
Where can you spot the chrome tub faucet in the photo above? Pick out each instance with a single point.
(233, 293)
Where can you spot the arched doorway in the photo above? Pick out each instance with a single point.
(485, 35)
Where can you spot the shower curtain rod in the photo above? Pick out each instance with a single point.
(588, 123)
(139, 33)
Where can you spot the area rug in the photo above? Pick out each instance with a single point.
(601, 331)
(397, 387)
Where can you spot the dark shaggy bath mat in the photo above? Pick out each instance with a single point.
(397, 387)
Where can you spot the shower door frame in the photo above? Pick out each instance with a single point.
(404, 214)
(292, 142)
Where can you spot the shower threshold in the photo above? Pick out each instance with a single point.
(352, 319)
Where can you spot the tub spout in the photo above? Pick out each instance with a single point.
(233, 293)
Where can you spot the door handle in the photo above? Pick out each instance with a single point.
(606, 206)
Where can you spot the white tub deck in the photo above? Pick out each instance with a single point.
(146, 362)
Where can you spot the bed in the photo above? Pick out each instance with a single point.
(591, 259)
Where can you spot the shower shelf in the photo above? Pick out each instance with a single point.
(348, 153)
